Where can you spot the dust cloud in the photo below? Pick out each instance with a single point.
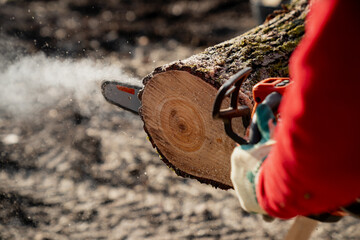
(31, 83)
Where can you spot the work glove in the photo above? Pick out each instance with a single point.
(246, 161)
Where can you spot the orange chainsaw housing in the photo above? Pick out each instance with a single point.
(267, 86)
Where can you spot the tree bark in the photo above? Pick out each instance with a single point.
(177, 98)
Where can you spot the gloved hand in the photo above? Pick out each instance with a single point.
(246, 161)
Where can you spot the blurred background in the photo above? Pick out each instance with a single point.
(75, 167)
(136, 30)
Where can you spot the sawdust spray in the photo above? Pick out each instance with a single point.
(31, 83)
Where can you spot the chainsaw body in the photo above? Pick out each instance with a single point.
(265, 87)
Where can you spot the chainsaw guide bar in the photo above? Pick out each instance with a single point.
(122, 95)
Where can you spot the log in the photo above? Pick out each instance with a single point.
(177, 98)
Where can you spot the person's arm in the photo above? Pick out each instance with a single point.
(315, 165)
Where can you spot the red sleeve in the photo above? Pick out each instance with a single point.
(315, 165)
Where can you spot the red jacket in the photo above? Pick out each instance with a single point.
(315, 165)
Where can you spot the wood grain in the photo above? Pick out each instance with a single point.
(179, 121)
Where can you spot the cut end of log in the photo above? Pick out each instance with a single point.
(177, 114)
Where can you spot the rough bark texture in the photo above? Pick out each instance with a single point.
(266, 49)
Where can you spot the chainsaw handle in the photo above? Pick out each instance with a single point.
(231, 88)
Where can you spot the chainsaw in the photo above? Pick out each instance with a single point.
(268, 91)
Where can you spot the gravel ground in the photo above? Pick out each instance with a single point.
(66, 175)
(74, 167)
